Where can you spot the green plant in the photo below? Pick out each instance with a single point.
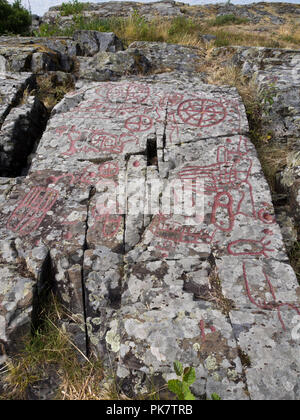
(14, 18)
(215, 397)
(181, 386)
(228, 20)
(182, 24)
(267, 96)
(50, 352)
(73, 8)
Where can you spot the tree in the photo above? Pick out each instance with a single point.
(14, 18)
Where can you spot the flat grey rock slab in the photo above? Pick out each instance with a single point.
(170, 57)
(116, 119)
(277, 72)
(155, 287)
(91, 42)
(12, 86)
(159, 322)
(273, 370)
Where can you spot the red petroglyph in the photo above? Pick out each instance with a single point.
(89, 176)
(166, 248)
(228, 218)
(97, 109)
(74, 137)
(96, 141)
(68, 236)
(104, 142)
(233, 168)
(110, 222)
(109, 169)
(111, 225)
(32, 210)
(202, 330)
(61, 130)
(55, 179)
(231, 172)
(171, 99)
(249, 247)
(271, 306)
(202, 112)
(94, 108)
(128, 92)
(266, 217)
(139, 123)
(178, 233)
(74, 93)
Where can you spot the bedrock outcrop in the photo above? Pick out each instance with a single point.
(204, 288)
(144, 206)
(262, 13)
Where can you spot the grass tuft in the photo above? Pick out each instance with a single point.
(72, 8)
(184, 30)
(50, 351)
(50, 91)
(257, 103)
(228, 20)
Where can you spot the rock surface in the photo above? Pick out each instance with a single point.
(276, 71)
(205, 289)
(99, 216)
(90, 43)
(255, 13)
(114, 8)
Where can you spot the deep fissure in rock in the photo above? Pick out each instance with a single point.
(44, 286)
(85, 248)
(152, 158)
(30, 84)
(20, 141)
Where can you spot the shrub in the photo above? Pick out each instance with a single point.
(179, 30)
(14, 18)
(228, 20)
(182, 25)
(72, 8)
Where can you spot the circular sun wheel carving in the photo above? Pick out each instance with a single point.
(139, 123)
(109, 170)
(201, 112)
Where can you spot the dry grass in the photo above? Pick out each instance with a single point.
(272, 157)
(289, 35)
(50, 354)
(188, 28)
(26, 94)
(179, 30)
(52, 350)
(50, 92)
(230, 75)
(187, 31)
(294, 256)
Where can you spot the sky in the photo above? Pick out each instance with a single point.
(39, 7)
